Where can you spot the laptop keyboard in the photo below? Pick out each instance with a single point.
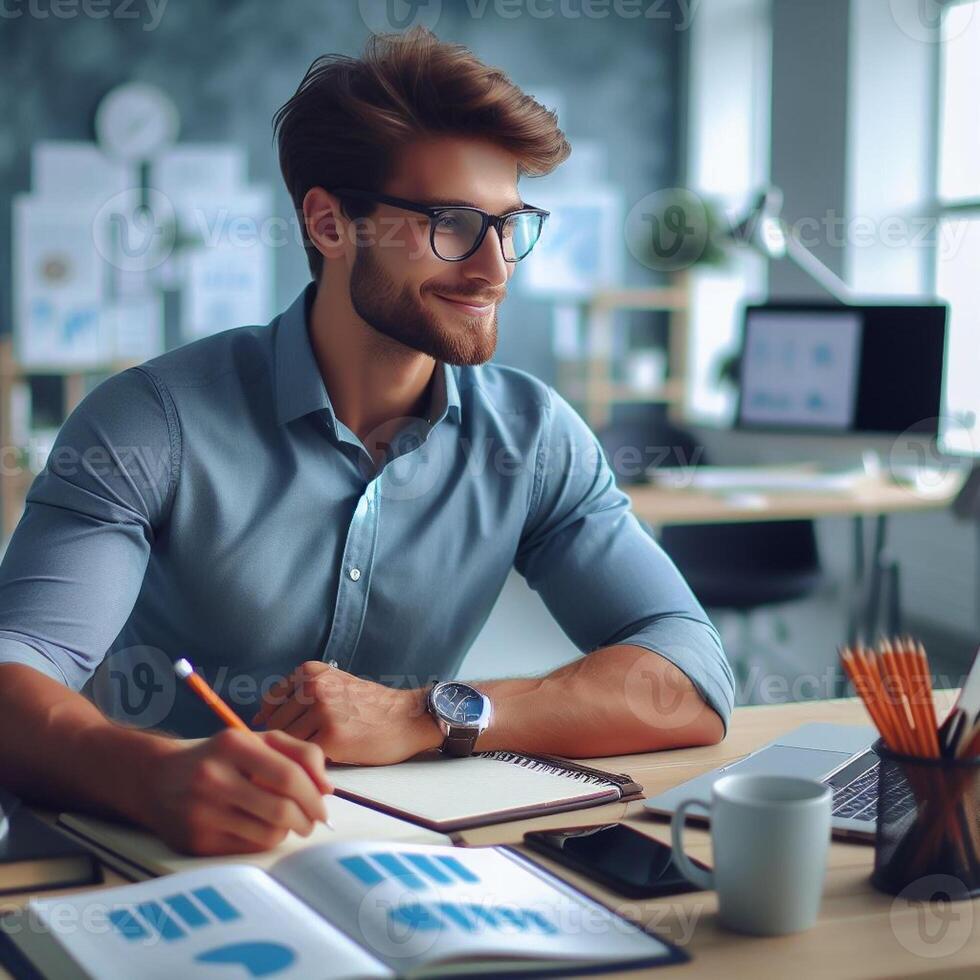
(858, 797)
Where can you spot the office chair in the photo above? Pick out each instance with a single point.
(736, 567)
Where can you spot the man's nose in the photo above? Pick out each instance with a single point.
(487, 262)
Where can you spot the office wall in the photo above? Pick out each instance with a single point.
(852, 124)
(229, 66)
(809, 127)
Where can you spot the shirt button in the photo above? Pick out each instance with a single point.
(332, 663)
(355, 574)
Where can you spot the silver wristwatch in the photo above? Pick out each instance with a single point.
(462, 713)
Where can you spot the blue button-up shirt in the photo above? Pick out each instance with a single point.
(210, 504)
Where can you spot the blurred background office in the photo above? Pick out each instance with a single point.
(796, 158)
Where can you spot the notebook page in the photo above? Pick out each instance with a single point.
(221, 921)
(413, 905)
(447, 789)
(353, 822)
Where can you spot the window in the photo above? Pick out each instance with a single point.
(727, 162)
(957, 243)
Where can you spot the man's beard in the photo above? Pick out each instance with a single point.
(399, 315)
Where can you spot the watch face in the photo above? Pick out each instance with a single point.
(459, 703)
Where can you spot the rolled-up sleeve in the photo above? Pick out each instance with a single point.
(75, 563)
(602, 576)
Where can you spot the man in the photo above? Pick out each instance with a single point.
(320, 513)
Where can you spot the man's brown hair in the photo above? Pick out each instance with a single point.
(345, 122)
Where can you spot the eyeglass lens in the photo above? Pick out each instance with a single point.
(456, 232)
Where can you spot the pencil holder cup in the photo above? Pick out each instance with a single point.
(928, 824)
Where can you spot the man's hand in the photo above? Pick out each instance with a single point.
(351, 719)
(235, 792)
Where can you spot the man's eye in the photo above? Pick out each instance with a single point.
(447, 223)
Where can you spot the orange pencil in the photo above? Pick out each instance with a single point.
(184, 670)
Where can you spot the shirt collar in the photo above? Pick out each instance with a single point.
(299, 384)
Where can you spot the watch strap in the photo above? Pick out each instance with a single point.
(460, 742)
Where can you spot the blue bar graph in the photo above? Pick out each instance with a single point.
(416, 916)
(124, 922)
(362, 870)
(456, 915)
(154, 915)
(458, 868)
(429, 868)
(469, 917)
(401, 871)
(487, 915)
(187, 911)
(216, 903)
(410, 869)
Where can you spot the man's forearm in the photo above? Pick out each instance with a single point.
(59, 750)
(615, 701)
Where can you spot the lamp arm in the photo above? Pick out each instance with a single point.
(804, 259)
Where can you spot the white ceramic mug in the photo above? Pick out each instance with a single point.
(769, 837)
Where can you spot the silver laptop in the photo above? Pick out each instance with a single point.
(839, 755)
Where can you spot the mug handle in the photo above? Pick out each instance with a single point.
(703, 879)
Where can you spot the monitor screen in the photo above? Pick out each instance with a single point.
(832, 368)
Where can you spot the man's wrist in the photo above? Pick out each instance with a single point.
(117, 759)
(425, 732)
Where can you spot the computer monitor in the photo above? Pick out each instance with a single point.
(825, 367)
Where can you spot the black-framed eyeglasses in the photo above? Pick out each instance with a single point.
(457, 231)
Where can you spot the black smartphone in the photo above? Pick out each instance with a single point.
(616, 856)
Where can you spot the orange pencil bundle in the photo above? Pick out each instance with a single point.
(895, 684)
(918, 758)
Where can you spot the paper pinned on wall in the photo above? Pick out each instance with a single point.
(226, 287)
(581, 245)
(193, 174)
(229, 274)
(135, 324)
(57, 286)
(77, 171)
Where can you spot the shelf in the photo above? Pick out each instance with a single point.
(657, 298)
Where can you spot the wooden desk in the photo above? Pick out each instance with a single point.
(861, 933)
(871, 498)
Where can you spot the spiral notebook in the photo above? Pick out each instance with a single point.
(448, 794)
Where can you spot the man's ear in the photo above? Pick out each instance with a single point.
(324, 222)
